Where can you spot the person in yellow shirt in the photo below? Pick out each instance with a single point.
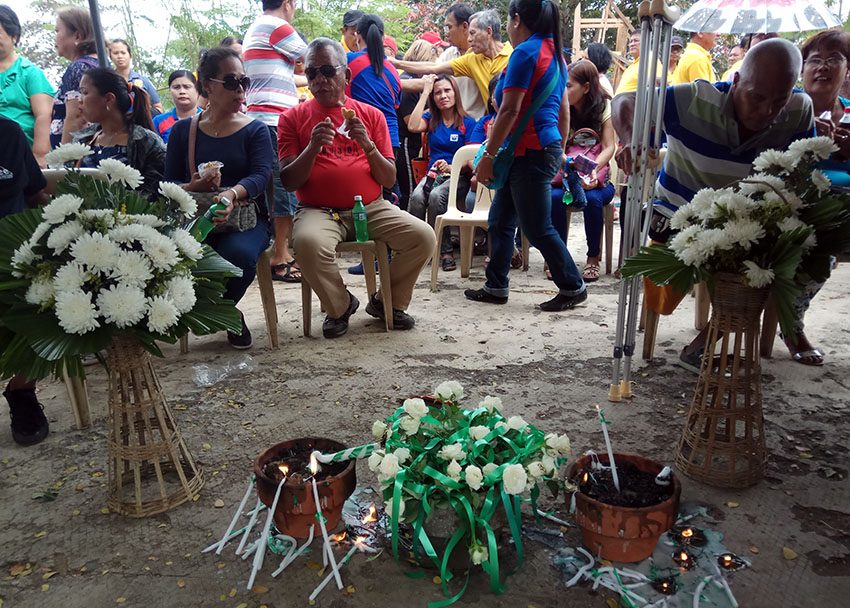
(349, 30)
(695, 63)
(736, 58)
(487, 55)
(629, 80)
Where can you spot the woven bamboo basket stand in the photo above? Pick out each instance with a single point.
(150, 467)
(723, 442)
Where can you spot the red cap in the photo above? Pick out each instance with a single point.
(389, 41)
(433, 38)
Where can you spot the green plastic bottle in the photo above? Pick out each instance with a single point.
(204, 224)
(568, 197)
(361, 229)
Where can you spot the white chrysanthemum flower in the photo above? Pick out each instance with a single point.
(784, 162)
(162, 314)
(181, 290)
(147, 219)
(96, 251)
(40, 292)
(410, 425)
(478, 432)
(118, 172)
(39, 232)
(821, 181)
(820, 147)
(122, 305)
(449, 391)
(478, 554)
(162, 252)
(453, 451)
(65, 153)
(744, 233)
(711, 241)
(403, 455)
(379, 427)
(790, 223)
(188, 206)
(133, 233)
(70, 277)
(682, 240)
(415, 408)
(453, 470)
(756, 275)
(76, 312)
(106, 216)
(492, 404)
(61, 207)
(187, 244)
(514, 478)
(704, 199)
(23, 256)
(132, 268)
(62, 236)
(811, 241)
(761, 182)
(489, 468)
(736, 205)
(473, 477)
(683, 217)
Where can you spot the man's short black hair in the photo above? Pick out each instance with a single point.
(350, 18)
(272, 5)
(461, 12)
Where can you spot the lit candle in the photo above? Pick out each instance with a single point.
(358, 545)
(220, 544)
(260, 554)
(727, 561)
(723, 582)
(314, 468)
(250, 526)
(293, 555)
(613, 464)
(687, 534)
(683, 559)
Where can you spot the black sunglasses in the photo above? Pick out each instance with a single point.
(232, 83)
(328, 71)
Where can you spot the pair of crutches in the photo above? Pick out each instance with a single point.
(656, 32)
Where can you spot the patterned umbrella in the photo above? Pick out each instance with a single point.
(753, 16)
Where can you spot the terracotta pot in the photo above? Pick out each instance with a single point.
(296, 508)
(623, 534)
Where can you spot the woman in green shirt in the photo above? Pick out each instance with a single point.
(26, 96)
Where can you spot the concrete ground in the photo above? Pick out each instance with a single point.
(550, 368)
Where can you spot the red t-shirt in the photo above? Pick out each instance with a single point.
(341, 170)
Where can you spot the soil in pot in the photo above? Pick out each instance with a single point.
(637, 488)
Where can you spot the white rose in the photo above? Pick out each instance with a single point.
(416, 408)
(402, 454)
(453, 451)
(560, 444)
(389, 466)
(453, 470)
(514, 478)
(473, 477)
(493, 404)
(500, 425)
(479, 554)
(375, 460)
(378, 429)
(478, 432)
(410, 425)
(489, 468)
(516, 423)
(449, 391)
(549, 464)
(536, 469)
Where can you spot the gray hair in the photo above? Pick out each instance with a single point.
(323, 43)
(488, 19)
(776, 52)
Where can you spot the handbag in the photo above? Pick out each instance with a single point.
(242, 217)
(588, 143)
(505, 156)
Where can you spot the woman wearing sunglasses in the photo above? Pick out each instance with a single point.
(244, 147)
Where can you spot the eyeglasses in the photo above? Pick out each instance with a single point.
(830, 62)
(328, 71)
(232, 83)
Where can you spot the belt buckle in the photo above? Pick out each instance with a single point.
(335, 216)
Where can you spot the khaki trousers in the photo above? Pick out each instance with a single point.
(315, 235)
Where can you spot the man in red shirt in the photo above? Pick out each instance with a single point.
(328, 159)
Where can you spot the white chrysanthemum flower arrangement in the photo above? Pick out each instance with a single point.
(101, 257)
(436, 453)
(774, 229)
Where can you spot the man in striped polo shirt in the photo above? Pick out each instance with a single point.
(270, 49)
(714, 134)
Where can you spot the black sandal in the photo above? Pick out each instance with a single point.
(291, 274)
(448, 263)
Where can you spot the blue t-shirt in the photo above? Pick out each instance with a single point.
(445, 141)
(143, 82)
(532, 65)
(382, 92)
(479, 133)
(838, 171)
(163, 122)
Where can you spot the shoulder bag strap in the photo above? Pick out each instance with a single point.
(193, 137)
(522, 123)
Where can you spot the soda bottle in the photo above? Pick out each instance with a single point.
(361, 229)
(202, 226)
(845, 120)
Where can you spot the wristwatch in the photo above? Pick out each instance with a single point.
(488, 155)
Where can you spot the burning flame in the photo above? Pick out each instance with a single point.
(585, 477)
(314, 464)
(727, 560)
(687, 533)
(684, 556)
(338, 538)
(372, 516)
(283, 469)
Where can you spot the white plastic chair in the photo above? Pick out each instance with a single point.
(466, 222)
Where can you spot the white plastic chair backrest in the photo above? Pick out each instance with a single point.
(54, 176)
(461, 158)
(483, 199)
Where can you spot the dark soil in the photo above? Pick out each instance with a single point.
(299, 467)
(637, 488)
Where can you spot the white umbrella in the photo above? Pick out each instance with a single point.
(753, 16)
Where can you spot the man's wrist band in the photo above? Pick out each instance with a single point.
(488, 155)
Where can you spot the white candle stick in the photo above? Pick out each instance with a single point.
(698, 591)
(249, 527)
(236, 515)
(334, 573)
(613, 464)
(314, 468)
(292, 557)
(227, 539)
(360, 451)
(260, 555)
(725, 586)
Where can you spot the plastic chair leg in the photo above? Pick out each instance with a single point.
(770, 324)
(435, 259)
(306, 306)
(184, 344)
(386, 283)
(466, 246)
(702, 306)
(369, 271)
(649, 334)
(266, 285)
(525, 249)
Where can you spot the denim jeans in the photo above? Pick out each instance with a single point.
(242, 249)
(527, 197)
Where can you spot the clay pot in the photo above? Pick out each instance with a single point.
(296, 508)
(623, 534)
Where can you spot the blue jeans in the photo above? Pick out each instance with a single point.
(593, 217)
(527, 197)
(242, 249)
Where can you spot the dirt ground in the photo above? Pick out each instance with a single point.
(549, 368)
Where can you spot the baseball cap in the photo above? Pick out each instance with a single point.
(433, 38)
(390, 42)
(677, 41)
(351, 17)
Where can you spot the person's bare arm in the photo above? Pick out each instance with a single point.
(414, 122)
(422, 67)
(622, 119)
(609, 144)
(412, 85)
(564, 121)
(74, 120)
(42, 109)
(39, 199)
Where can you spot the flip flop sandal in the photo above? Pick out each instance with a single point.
(516, 259)
(815, 356)
(289, 275)
(591, 273)
(448, 263)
